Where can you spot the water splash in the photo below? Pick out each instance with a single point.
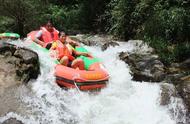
(123, 101)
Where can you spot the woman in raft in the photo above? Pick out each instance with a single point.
(65, 52)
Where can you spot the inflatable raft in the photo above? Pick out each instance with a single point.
(94, 76)
(9, 35)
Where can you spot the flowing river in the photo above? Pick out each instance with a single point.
(123, 101)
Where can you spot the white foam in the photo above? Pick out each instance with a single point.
(123, 101)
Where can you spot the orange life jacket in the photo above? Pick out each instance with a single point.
(63, 51)
(49, 36)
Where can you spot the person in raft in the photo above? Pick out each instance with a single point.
(46, 34)
(66, 53)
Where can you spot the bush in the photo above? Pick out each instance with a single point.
(182, 51)
(161, 48)
(168, 24)
(167, 51)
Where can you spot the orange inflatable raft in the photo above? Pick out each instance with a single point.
(92, 78)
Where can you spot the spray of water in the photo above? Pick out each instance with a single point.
(123, 101)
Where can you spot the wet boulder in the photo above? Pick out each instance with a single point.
(17, 65)
(167, 92)
(144, 67)
(92, 40)
(84, 39)
(170, 98)
(108, 44)
(183, 89)
(177, 72)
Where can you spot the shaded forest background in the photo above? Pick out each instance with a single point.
(164, 24)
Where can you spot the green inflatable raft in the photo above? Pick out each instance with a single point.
(87, 61)
(9, 35)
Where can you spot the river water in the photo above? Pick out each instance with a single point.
(123, 101)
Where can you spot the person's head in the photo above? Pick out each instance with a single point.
(62, 36)
(49, 25)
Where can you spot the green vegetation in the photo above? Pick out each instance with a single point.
(164, 24)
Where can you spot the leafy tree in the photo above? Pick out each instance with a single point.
(124, 18)
(169, 21)
(23, 13)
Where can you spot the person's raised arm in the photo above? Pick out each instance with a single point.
(37, 38)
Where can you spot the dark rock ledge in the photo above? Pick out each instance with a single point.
(17, 66)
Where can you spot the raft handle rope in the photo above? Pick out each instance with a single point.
(74, 78)
(76, 85)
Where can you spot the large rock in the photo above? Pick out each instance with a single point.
(173, 102)
(108, 44)
(92, 40)
(179, 75)
(17, 67)
(17, 64)
(177, 71)
(144, 67)
(184, 90)
(167, 92)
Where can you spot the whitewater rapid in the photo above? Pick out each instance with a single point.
(123, 101)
